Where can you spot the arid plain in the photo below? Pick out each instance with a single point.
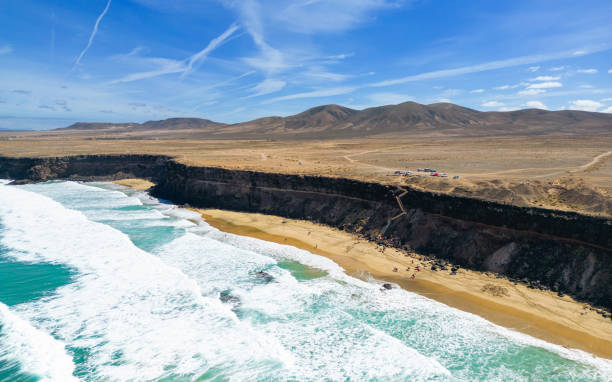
(560, 172)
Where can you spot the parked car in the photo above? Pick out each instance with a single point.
(456, 177)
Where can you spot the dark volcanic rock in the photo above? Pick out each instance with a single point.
(563, 250)
(264, 276)
(227, 298)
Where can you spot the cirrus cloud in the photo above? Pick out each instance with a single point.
(268, 86)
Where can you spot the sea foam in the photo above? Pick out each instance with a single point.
(137, 317)
(152, 315)
(36, 352)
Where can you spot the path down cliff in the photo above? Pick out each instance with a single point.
(567, 252)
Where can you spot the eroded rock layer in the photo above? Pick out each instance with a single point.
(567, 252)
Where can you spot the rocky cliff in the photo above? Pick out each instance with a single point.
(567, 252)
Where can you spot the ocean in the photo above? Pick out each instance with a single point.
(102, 283)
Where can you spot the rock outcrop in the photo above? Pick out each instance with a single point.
(564, 251)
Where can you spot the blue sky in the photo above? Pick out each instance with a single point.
(63, 61)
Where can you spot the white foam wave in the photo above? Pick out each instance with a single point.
(324, 344)
(462, 326)
(278, 251)
(140, 318)
(181, 213)
(334, 327)
(36, 352)
(81, 195)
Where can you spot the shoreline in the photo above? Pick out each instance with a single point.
(135, 183)
(539, 313)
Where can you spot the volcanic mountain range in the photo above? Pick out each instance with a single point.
(334, 121)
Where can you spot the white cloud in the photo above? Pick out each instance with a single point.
(585, 104)
(6, 49)
(451, 92)
(492, 104)
(606, 100)
(534, 68)
(388, 98)
(587, 71)
(511, 62)
(545, 85)
(607, 110)
(93, 33)
(545, 78)
(314, 94)
(506, 87)
(270, 59)
(530, 92)
(268, 86)
(579, 53)
(477, 91)
(314, 16)
(587, 86)
(535, 105)
(164, 66)
(556, 68)
(341, 56)
(609, 71)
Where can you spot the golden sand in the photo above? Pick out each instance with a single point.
(542, 314)
(136, 184)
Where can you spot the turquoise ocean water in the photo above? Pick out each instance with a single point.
(101, 283)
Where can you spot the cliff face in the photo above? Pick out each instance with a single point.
(564, 251)
(84, 167)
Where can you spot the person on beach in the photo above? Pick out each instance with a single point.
(394, 269)
(418, 269)
(413, 276)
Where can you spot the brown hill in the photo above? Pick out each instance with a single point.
(180, 124)
(334, 121)
(166, 124)
(97, 126)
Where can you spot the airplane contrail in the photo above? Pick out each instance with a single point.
(93, 33)
(212, 45)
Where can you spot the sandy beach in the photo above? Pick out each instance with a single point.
(134, 183)
(542, 314)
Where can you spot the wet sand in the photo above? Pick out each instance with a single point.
(542, 314)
